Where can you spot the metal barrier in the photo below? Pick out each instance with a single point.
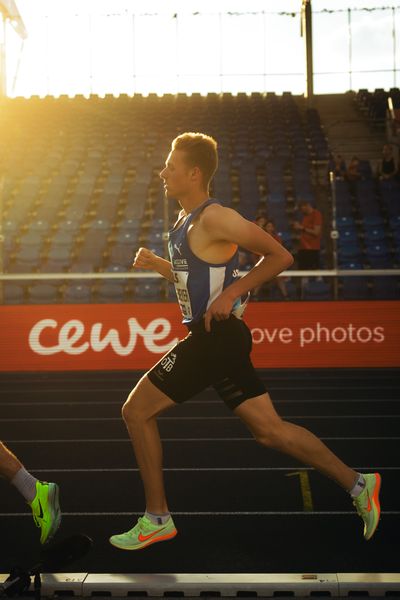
(121, 276)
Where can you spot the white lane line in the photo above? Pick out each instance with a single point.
(85, 389)
(208, 418)
(201, 469)
(177, 440)
(208, 513)
(191, 402)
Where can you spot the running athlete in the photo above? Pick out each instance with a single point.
(41, 496)
(203, 248)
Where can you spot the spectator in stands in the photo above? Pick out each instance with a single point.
(387, 168)
(353, 170)
(268, 226)
(41, 496)
(310, 237)
(353, 175)
(337, 165)
(261, 220)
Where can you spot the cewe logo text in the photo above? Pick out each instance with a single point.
(67, 337)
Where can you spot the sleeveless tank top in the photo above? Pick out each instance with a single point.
(198, 283)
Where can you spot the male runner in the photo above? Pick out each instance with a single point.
(203, 247)
(41, 496)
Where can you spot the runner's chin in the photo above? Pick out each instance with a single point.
(168, 193)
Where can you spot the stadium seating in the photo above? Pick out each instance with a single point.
(82, 190)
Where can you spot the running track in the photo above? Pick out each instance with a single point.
(238, 507)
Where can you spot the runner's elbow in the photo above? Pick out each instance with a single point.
(287, 259)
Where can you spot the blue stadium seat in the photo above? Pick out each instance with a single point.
(43, 293)
(122, 254)
(394, 222)
(31, 239)
(348, 237)
(42, 227)
(115, 268)
(378, 256)
(374, 235)
(69, 225)
(28, 256)
(110, 292)
(317, 290)
(60, 255)
(352, 264)
(385, 288)
(349, 253)
(147, 291)
(345, 222)
(63, 238)
(76, 293)
(354, 288)
(10, 226)
(13, 293)
(291, 289)
(129, 225)
(129, 238)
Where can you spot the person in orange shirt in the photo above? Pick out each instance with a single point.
(310, 237)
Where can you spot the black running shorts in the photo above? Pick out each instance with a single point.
(220, 359)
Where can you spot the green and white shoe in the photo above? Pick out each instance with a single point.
(46, 509)
(367, 504)
(143, 534)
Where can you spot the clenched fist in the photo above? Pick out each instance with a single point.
(144, 259)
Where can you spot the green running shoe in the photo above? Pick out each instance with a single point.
(367, 504)
(143, 534)
(46, 509)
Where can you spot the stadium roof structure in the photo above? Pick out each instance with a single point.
(9, 10)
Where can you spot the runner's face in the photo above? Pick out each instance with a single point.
(176, 175)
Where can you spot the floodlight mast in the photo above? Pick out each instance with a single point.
(306, 32)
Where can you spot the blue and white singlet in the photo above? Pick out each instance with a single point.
(198, 283)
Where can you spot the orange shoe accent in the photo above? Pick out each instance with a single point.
(144, 538)
(169, 536)
(375, 497)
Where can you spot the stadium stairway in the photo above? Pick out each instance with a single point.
(348, 131)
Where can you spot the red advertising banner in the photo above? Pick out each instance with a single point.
(135, 336)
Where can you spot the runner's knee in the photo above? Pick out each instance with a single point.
(134, 408)
(272, 434)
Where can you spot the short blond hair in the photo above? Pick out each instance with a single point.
(201, 151)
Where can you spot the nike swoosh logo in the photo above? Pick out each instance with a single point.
(40, 516)
(369, 507)
(143, 538)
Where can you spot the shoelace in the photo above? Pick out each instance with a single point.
(140, 524)
(36, 521)
(361, 510)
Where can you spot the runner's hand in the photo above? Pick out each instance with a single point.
(144, 259)
(219, 310)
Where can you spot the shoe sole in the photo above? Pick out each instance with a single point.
(376, 504)
(161, 538)
(55, 512)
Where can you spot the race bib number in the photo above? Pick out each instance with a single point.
(180, 281)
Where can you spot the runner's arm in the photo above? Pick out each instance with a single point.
(146, 259)
(222, 223)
